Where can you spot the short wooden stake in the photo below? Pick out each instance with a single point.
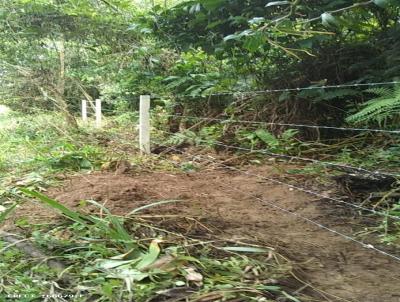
(98, 113)
(144, 124)
(84, 111)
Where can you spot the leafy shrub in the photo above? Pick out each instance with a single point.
(198, 73)
(278, 144)
(69, 157)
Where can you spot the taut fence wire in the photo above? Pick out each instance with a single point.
(266, 91)
(213, 160)
(233, 121)
(310, 192)
(345, 167)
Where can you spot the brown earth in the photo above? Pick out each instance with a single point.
(344, 270)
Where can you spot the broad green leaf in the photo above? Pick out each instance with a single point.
(253, 43)
(328, 20)
(85, 164)
(151, 256)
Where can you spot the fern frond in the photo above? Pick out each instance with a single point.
(385, 107)
(381, 91)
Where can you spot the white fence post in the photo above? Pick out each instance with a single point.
(84, 111)
(98, 113)
(144, 124)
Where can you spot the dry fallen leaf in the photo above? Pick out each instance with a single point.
(163, 263)
(193, 275)
(175, 158)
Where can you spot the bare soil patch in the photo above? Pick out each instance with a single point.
(330, 263)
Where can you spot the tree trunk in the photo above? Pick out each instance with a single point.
(62, 104)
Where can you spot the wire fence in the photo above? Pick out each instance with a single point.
(285, 210)
(227, 120)
(298, 188)
(249, 93)
(266, 91)
(360, 208)
(345, 167)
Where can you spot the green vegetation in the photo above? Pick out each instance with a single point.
(118, 265)
(221, 73)
(110, 258)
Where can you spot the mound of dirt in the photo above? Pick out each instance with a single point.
(340, 269)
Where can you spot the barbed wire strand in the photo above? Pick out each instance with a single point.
(252, 92)
(315, 193)
(282, 124)
(364, 245)
(368, 246)
(293, 213)
(290, 157)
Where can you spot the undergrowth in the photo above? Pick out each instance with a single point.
(105, 258)
(360, 156)
(110, 258)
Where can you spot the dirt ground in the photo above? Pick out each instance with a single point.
(344, 270)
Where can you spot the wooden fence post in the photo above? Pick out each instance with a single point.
(144, 124)
(98, 113)
(84, 111)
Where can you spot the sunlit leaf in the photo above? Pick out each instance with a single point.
(382, 3)
(328, 20)
(109, 264)
(256, 21)
(275, 3)
(128, 274)
(231, 37)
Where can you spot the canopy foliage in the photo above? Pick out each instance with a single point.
(54, 53)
